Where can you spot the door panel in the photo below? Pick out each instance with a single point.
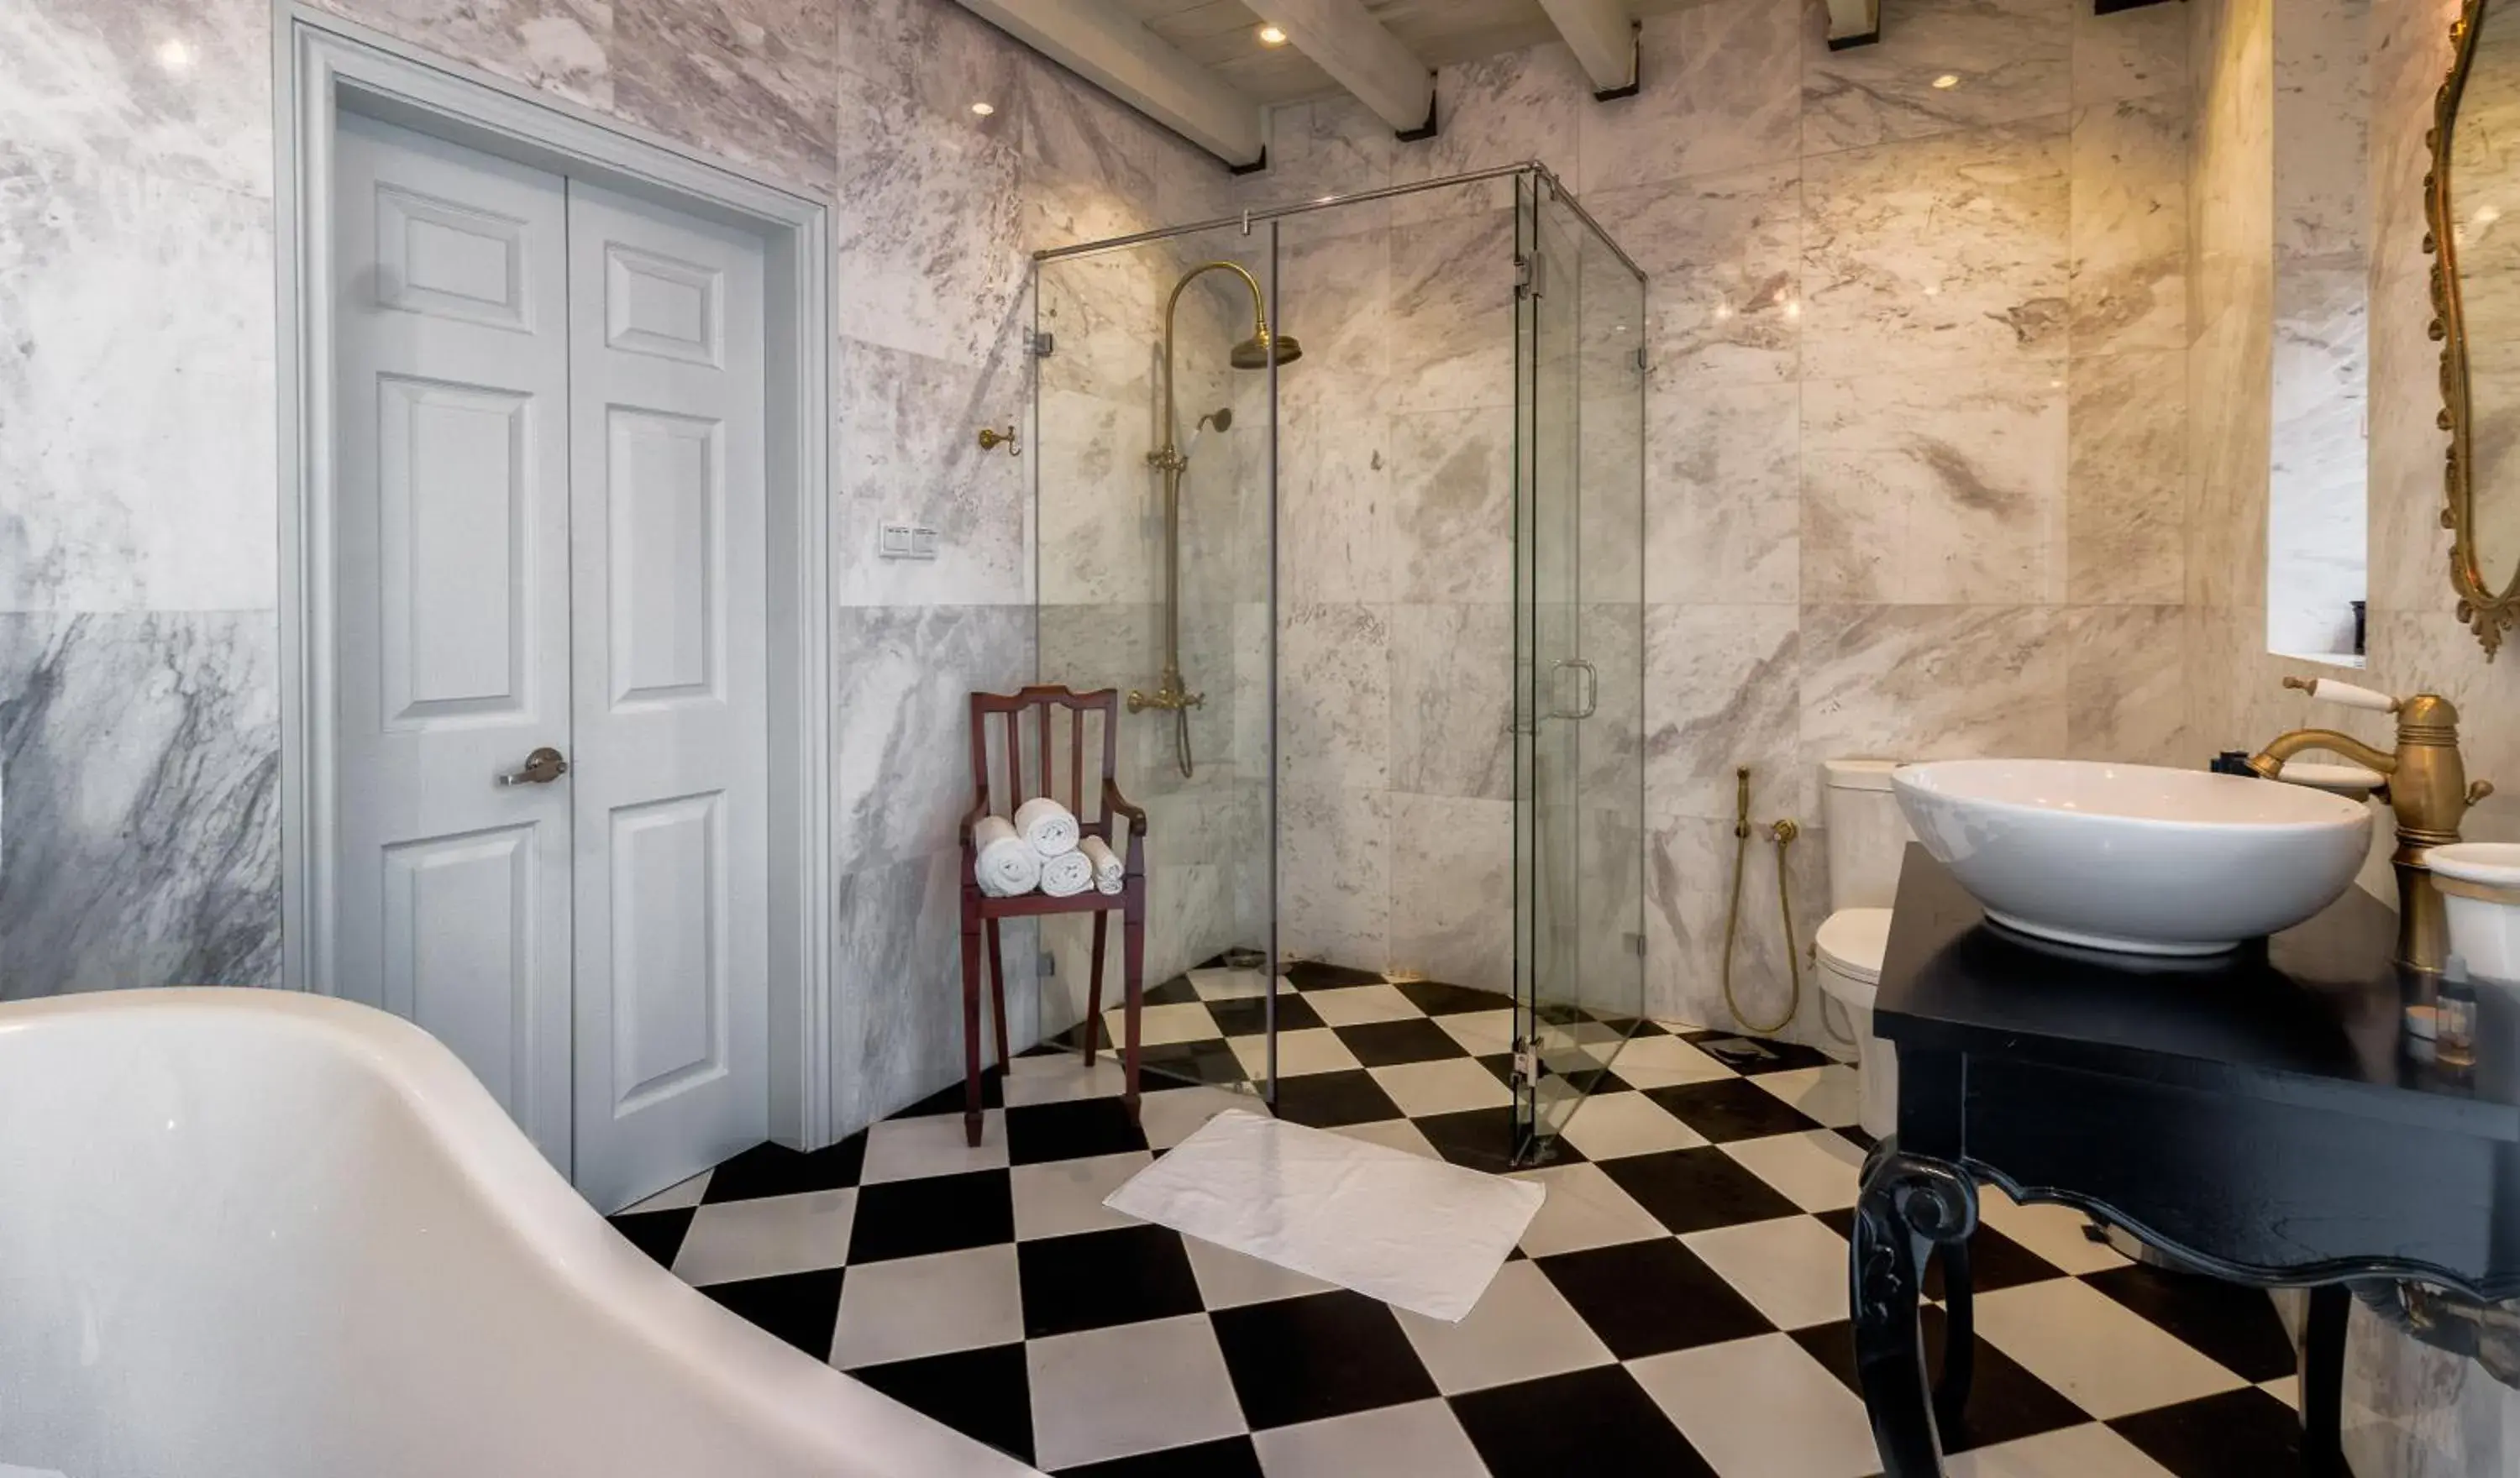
(451, 577)
(670, 693)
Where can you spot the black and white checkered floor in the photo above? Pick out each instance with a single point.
(1677, 1307)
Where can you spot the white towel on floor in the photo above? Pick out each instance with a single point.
(1007, 865)
(1046, 825)
(1109, 870)
(1066, 874)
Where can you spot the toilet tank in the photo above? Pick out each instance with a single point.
(1867, 832)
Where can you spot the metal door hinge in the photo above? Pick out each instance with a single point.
(1045, 965)
(1526, 1064)
(1645, 362)
(1636, 942)
(1040, 343)
(1526, 277)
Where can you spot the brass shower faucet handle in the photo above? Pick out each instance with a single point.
(991, 438)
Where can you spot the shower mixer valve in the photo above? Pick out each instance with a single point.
(1169, 696)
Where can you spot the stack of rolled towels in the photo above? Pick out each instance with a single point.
(1043, 849)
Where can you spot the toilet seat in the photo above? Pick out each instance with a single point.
(1849, 945)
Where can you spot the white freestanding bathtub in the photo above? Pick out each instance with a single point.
(253, 1233)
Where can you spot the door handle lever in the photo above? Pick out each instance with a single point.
(542, 767)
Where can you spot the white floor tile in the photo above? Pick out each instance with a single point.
(1482, 1034)
(1229, 1279)
(1610, 1125)
(907, 1149)
(1063, 1079)
(1455, 1085)
(1398, 1134)
(1832, 1096)
(1110, 1393)
(1666, 1063)
(1065, 1197)
(1362, 1004)
(1522, 1328)
(1816, 1170)
(2108, 1359)
(1761, 1409)
(1585, 1208)
(1163, 1025)
(2085, 1452)
(1420, 1440)
(2284, 1388)
(673, 1197)
(767, 1235)
(2054, 1232)
(1174, 1114)
(910, 1307)
(1793, 1270)
(1312, 1050)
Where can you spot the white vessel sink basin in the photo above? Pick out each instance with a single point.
(2133, 856)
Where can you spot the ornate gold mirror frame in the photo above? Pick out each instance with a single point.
(2487, 611)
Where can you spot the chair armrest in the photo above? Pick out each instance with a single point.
(978, 812)
(1116, 804)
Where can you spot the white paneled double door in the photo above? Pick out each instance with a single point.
(549, 637)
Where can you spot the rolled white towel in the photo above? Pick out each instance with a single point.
(1066, 874)
(1109, 870)
(1007, 865)
(1048, 825)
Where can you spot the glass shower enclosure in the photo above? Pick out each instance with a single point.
(1346, 498)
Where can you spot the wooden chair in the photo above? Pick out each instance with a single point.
(1108, 808)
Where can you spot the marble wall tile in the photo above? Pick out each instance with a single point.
(2133, 54)
(1334, 292)
(903, 676)
(1724, 490)
(1508, 109)
(1723, 690)
(1934, 491)
(140, 762)
(1688, 881)
(2013, 59)
(1100, 509)
(1335, 871)
(2126, 686)
(1452, 889)
(756, 81)
(1724, 252)
(1721, 91)
(1335, 695)
(2409, 549)
(1328, 146)
(932, 258)
(179, 89)
(902, 451)
(2129, 283)
(2125, 520)
(2230, 450)
(1334, 508)
(1452, 313)
(1451, 506)
(1611, 636)
(1451, 699)
(1933, 682)
(1938, 252)
(136, 392)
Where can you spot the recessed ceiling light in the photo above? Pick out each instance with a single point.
(984, 109)
(1946, 81)
(173, 54)
(1273, 35)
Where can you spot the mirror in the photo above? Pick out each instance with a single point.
(2474, 210)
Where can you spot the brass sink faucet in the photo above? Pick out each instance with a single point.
(2427, 788)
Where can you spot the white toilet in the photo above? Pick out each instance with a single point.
(1868, 834)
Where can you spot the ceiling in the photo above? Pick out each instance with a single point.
(1223, 35)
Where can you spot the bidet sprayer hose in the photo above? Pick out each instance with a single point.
(1783, 832)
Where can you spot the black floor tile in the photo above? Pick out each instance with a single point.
(993, 1090)
(777, 1170)
(1855, 1136)
(1647, 1298)
(1313, 975)
(2244, 1431)
(2007, 1403)
(1388, 1044)
(1232, 1458)
(1758, 1054)
(1731, 1109)
(1996, 1261)
(1094, 1280)
(1177, 991)
(1208, 1059)
(1249, 1017)
(658, 1234)
(1437, 999)
(1043, 1132)
(2236, 1326)
(1330, 1100)
(983, 1394)
(1482, 1139)
(1634, 1027)
(1591, 1421)
(944, 1213)
(1694, 1189)
(1324, 1355)
(800, 1308)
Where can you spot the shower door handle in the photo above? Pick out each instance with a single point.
(1592, 677)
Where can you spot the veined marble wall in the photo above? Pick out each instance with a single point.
(138, 540)
(1915, 431)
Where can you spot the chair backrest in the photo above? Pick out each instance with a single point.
(1002, 715)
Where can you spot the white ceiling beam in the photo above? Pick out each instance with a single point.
(1344, 40)
(1853, 22)
(1603, 37)
(1120, 56)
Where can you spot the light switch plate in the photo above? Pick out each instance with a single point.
(906, 541)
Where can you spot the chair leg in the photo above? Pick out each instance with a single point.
(1133, 969)
(1094, 986)
(971, 1029)
(998, 993)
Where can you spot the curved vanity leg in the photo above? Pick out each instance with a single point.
(2322, 1381)
(1959, 1347)
(1909, 1206)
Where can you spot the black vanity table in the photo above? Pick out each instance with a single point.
(2255, 1116)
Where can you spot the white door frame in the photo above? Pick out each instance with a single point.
(321, 63)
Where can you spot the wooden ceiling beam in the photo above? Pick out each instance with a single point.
(1345, 40)
(1603, 37)
(1853, 22)
(1117, 54)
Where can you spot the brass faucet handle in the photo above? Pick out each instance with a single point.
(2328, 689)
(2478, 790)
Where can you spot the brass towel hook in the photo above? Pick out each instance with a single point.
(991, 438)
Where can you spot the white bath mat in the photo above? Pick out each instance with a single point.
(1416, 1233)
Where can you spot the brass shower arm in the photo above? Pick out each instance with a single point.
(1259, 332)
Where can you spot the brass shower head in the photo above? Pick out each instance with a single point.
(1261, 350)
